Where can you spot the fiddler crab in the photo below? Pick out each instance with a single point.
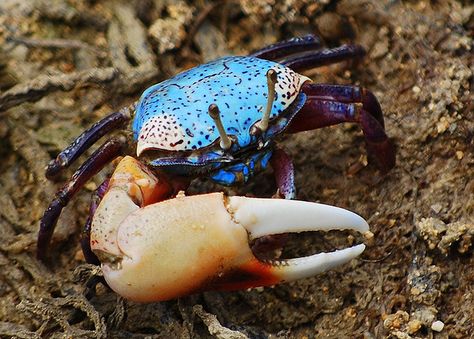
(219, 120)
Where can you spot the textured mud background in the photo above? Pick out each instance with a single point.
(66, 63)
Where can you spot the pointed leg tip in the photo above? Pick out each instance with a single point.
(52, 170)
(41, 250)
(384, 154)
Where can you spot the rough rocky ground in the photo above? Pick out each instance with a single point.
(66, 63)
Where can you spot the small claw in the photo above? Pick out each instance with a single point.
(189, 244)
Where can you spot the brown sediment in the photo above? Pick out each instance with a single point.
(420, 267)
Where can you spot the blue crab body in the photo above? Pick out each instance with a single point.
(219, 120)
(172, 119)
(243, 170)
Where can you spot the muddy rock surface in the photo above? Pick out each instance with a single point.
(64, 64)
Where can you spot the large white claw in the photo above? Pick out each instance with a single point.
(188, 244)
(262, 217)
(275, 216)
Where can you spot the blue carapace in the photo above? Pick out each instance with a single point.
(173, 116)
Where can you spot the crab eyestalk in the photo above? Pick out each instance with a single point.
(272, 79)
(194, 243)
(214, 113)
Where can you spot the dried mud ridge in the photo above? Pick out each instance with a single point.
(66, 63)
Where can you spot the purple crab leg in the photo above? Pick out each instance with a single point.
(288, 47)
(108, 124)
(347, 94)
(90, 256)
(324, 57)
(101, 157)
(97, 196)
(285, 179)
(284, 173)
(329, 105)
